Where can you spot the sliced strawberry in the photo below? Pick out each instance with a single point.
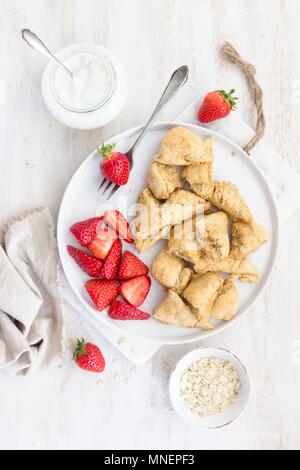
(131, 266)
(117, 222)
(90, 265)
(136, 290)
(102, 292)
(111, 265)
(86, 230)
(102, 244)
(121, 311)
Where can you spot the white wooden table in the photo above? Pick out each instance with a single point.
(129, 407)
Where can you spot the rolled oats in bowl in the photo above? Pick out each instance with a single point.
(209, 385)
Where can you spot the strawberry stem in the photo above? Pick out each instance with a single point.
(229, 98)
(80, 349)
(106, 150)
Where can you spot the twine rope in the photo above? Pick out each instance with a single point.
(231, 54)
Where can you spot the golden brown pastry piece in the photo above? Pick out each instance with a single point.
(243, 269)
(246, 238)
(147, 221)
(187, 198)
(200, 179)
(163, 180)
(152, 217)
(183, 242)
(180, 146)
(216, 240)
(148, 217)
(225, 306)
(227, 197)
(173, 311)
(181, 206)
(171, 271)
(201, 236)
(201, 292)
(143, 244)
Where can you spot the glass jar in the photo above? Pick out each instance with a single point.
(79, 102)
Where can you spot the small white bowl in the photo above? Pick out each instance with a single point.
(223, 418)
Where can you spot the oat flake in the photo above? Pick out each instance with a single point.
(209, 385)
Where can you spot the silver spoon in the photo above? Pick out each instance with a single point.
(33, 41)
(177, 80)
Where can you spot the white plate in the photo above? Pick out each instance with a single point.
(81, 201)
(220, 419)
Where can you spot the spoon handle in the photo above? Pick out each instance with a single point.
(34, 41)
(177, 80)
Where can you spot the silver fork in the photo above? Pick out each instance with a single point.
(177, 80)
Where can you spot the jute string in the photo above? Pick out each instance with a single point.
(231, 54)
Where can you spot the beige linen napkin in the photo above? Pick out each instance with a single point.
(30, 304)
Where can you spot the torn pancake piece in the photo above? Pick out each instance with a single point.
(216, 243)
(147, 219)
(246, 238)
(173, 311)
(201, 292)
(183, 240)
(225, 306)
(180, 146)
(243, 269)
(227, 197)
(171, 271)
(163, 180)
(200, 178)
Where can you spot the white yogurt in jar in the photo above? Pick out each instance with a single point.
(95, 95)
(91, 85)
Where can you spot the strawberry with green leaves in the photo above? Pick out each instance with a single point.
(114, 166)
(217, 105)
(88, 357)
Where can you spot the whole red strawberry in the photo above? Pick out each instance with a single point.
(90, 265)
(88, 357)
(216, 105)
(114, 166)
(86, 230)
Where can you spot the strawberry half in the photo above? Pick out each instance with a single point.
(102, 292)
(114, 166)
(117, 222)
(136, 290)
(131, 266)
(102, 244)
(121, 311)
(111, 265)
(86, 230)
(88, 357)
(87, 263)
